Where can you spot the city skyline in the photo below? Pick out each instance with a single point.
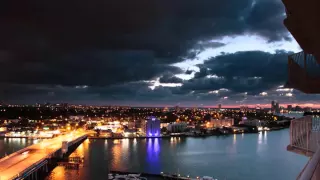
(160, 53)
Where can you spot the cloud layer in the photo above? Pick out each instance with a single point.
(114, 51)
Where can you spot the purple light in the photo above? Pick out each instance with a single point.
(150, 134)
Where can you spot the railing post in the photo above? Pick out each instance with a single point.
(291, 132)
(307, 136)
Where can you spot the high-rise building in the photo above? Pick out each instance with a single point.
(277, 108)
(273, 105)
(219, 106)
(177, 108)
(151, 127)
(289, 107)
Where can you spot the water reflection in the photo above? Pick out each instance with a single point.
(156, 145)
(10, 145)
(251, 156)
(153, 150)
(260, 138)
(116, 153)
(175, 140)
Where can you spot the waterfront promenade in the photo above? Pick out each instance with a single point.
(16, 163)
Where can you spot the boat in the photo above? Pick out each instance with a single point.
(179, 177)
(125, 177)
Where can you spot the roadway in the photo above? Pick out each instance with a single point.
(17, 162)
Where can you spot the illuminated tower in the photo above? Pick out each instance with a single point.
(152, 127)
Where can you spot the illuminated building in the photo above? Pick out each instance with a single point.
(131, 125)
(113, 126)
(166, 109)
(151, 127)
(129, 133)
(221, 122)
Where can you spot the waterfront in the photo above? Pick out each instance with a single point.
(243, 156)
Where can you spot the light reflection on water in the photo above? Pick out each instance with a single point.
(260, 156)
(10, 145)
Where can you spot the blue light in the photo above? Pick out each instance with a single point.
(150, 134)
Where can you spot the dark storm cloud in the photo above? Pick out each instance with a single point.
(49, 47)
(188, 72)
(95, 68)
(266, 19)
(45, 32)
(203, 72)
(170, 78)
(249, 71)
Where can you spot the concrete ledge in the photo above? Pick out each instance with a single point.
(299, 151)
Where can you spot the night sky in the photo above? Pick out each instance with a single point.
(146, 52)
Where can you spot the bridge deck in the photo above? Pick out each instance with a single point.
(17, 162)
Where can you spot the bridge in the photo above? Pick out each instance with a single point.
(26, 162)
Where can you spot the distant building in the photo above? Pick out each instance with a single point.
(177, 108)
(132, 124)
(255, 122)
(221, 122)
(277, 108)
(151, 127)
(129, 133)
(166, 109)
(177, 127)
(289, 107)
(110, 126)
(219, 106)
(244, 108)
(273, 105)
(298, 108)
(76, 117)
(307, 109)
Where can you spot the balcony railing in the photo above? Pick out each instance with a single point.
(300, 134)
(312, 169)
(304, 73)
(305, 140)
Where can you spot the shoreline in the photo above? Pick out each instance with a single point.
(185, 136)
(145, 137)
